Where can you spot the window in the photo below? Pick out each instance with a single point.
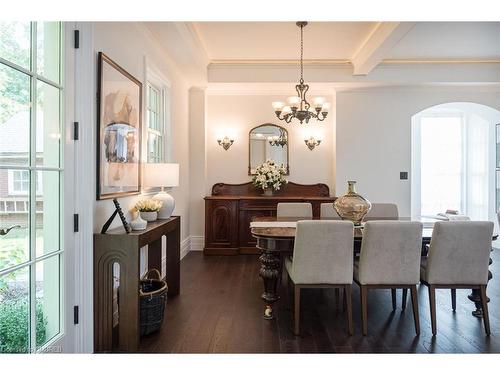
(19, 182)
(30, 185)
(157, 118)
(453, 160)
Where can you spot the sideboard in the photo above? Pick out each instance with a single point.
(231, 207)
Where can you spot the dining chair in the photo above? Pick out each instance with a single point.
(322, 258)
(382, 211)
(389, 259)
(458, 258)
(303, 210)
(328, 212)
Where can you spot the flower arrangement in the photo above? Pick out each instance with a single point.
(148, 205)
(269, 176)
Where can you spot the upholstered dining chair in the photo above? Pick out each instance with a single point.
(328, 212)
(295, 209)
(389, 259)
(458, 258)
(383, 211)
(322, 258)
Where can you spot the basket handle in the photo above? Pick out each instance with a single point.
(150, 294)
(158, 275)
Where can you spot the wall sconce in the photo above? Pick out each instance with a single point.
(225, 142)
(311, 143)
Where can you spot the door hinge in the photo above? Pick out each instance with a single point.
(75, 223)
(77, 38)
(76, 314)
(76, 131)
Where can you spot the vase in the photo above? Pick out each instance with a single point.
(268, 192)
(149, 215)
(352, 206)
(138, 223)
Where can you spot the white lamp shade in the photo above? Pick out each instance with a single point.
(161, 175)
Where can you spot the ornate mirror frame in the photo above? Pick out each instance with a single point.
(287, 146)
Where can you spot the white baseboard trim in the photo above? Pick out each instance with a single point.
(197, 243)
(185, 247)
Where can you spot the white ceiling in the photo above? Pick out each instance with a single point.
(344, 40)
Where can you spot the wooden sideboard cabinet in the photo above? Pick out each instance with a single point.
(231, 207)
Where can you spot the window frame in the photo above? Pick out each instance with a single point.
(11, 180)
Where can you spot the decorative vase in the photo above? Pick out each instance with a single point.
(138, 223)
(352, 206)
(149, 215)
(268, 192)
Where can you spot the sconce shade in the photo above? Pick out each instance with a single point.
(161, 174)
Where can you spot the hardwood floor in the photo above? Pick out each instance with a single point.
(219, 310)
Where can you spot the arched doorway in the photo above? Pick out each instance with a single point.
(454, 160)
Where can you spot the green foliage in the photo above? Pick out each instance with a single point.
(14, 85)
(14, 323)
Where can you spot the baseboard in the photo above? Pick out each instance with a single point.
(185, 247)
(197, 243)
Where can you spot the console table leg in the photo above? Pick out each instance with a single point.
(475, 297)
(270, 273)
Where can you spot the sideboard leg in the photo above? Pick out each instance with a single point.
(270, 273)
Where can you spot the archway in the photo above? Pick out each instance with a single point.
(454, 160)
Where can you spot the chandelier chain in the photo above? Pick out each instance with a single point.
(301, 54)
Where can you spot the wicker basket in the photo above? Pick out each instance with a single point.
(153, 295)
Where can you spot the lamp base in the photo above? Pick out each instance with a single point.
(168, 204)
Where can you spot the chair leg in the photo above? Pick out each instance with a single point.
(414, 304)
(404, 297)
(484, 303)
(454, 299)
(348, 298)
(432, 305)
(393, 295)
(364, 314)
(296, 326)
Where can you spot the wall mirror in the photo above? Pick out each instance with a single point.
(267, 141)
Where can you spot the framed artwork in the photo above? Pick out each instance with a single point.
(119, 129)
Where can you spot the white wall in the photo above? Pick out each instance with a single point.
(235, 115)
(374, 136)
(128, 44)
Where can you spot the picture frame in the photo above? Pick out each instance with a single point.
(119, 131)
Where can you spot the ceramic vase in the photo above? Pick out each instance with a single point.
(268, 192)
(352, 206)
(138, 223)
(149, 215)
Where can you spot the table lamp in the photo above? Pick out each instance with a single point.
(164, 175)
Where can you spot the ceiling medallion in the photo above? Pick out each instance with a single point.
(298, 107)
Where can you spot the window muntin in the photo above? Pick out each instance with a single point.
(30, 160)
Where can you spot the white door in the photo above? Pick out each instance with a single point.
(36, 192)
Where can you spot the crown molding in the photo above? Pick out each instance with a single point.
(279, 62)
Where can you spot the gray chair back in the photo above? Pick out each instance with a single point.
(390, 252)
(328, 212)
(459, 253)
(323, 252)
(303, 210)
(383, 211)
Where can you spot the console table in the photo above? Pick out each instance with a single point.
(231, 207)
(116, 246)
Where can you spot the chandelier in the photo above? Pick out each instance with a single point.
(298, 107)
(278, 140)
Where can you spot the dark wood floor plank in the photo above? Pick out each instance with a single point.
(220, 310)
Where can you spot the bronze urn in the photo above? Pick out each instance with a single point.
(352, 206)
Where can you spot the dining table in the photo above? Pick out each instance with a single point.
(275, 239)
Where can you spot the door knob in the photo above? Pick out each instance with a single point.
(3, 231)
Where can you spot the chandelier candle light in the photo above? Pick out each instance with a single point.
(298, 107)
(278, 140)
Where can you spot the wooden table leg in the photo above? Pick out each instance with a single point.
(270, 272)
(172, 273)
